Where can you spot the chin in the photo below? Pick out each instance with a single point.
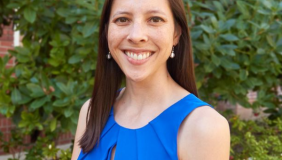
(137, 77)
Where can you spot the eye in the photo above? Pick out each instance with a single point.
(156, 19)
(121, 20)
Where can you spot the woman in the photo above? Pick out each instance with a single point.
(157, 115)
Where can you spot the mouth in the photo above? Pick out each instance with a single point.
(138, 55)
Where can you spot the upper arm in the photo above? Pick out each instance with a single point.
(206, 136)
(81, 125)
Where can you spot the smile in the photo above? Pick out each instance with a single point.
(138, 56)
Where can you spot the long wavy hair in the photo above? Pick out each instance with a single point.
(108, 75)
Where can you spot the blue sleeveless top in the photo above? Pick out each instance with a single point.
(155, 141)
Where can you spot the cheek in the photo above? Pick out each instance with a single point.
(114, 36)
(117, 32)
(162, 35)
(111, 37)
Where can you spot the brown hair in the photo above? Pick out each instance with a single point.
(108, 75)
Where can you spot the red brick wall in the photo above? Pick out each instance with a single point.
(6, 43)
(5, 127)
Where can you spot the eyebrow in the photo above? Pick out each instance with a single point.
(148, 12)
(122, 12)
(155, 11)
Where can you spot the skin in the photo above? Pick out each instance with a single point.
(148, 26)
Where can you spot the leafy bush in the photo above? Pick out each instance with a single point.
(256, 139)
(43, 148)
(53, 75)
(54, 68)
(237, 47)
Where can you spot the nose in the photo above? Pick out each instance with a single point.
(137, 33)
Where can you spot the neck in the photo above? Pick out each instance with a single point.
(154, 92)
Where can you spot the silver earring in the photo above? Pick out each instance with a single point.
(172, 53)
(109, 55)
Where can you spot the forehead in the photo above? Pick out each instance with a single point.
(140, 6)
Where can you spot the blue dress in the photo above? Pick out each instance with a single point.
(155, 141)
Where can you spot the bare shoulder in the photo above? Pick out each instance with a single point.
(204, 119)
(81, 125)
(204, 135)
(85, 107)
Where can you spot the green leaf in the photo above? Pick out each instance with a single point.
(63, 88)
(214, 21)
(35, 89)
(54, 62)
(75, 59)
(228, 24)
(53, 125)
(267, 4)
(2, 66)
(38, 103)
(24, 99)
(215, 60)
(86, 66)
(23, 51)
(217, 72)
(71, 20)
(218, 6)
(74, 118)
(208, 29)
(242, 7)
(62, 102)
(243, 74)
(229, 65)
(63, 12)
(89, 29)
(229, 37)
(209, 67)
(196, 34)
(68, 112)
(29, 14)
(270, 41)
(13, 5)
(229, 46)
(16, 96)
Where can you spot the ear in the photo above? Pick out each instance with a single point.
(177, 34)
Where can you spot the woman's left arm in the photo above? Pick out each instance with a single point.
(207, 136)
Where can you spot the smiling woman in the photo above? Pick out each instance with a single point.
(157, 115)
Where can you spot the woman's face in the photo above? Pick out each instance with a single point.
(141, 34)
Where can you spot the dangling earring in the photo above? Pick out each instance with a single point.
(172, 53)
(109, 55)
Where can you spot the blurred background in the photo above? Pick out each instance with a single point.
(48, 51)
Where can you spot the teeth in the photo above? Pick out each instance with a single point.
(135, 56)
(144, 56)
(138, 56)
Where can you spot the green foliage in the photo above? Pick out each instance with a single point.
(53, 75)
(256, 139)
(43, 148)
(54, 69)
(238, 48)
(14, 145)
